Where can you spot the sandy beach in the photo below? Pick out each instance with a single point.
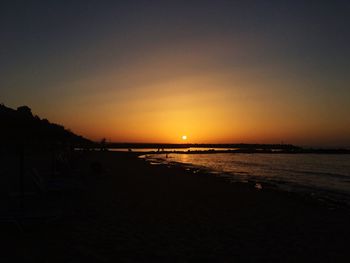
(130, 211)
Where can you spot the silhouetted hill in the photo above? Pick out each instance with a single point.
(22, 127)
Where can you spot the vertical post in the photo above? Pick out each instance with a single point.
(53, 162)
(21, 179)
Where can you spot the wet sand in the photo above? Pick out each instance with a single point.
(132, 211)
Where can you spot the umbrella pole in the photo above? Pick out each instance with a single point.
(21, 180)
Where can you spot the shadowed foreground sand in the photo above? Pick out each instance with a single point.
(135, 212)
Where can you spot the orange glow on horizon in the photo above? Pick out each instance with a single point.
(216, 72)
(210, 106)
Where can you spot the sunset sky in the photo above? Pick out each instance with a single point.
(153, 71)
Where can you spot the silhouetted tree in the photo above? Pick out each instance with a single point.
(25, 111)
(21, 126)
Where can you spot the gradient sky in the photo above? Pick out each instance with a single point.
(152, 71)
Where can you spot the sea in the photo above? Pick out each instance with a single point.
(325, 176)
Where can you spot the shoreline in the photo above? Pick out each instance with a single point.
(132, 211)
(327, 197)
(228, 151)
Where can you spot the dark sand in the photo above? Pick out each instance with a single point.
(135, 212)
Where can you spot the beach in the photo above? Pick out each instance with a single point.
(128, 210)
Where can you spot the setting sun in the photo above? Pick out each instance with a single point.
(184, 137)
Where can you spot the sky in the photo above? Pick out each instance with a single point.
(152, 71)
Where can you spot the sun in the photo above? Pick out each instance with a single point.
(184, 137)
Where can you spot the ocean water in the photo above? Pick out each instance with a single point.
(327, 175)
(149, 150)
(187, 149)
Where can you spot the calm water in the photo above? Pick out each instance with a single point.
(169, 149)
(148, 150)
(329, 174)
